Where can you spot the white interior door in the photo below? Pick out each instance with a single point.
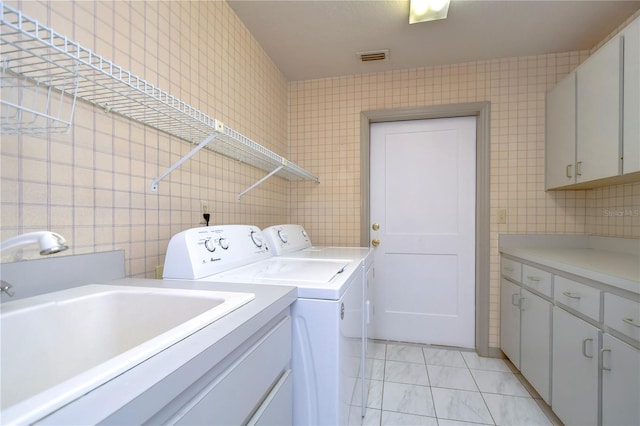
(423, 206)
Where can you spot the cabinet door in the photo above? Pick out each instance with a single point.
(631, 110)
(510, 321)
(620, 383)
(535, 346)
(574, 391)
(598, 114)
(560, 153)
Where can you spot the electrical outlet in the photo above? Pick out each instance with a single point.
(204, 207)
(501, 216)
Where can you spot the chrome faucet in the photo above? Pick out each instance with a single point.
(50, 242)
(5, 288)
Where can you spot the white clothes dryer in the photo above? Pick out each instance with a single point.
(291, 241)
(327, 316)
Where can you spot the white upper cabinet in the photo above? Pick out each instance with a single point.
(561, 133)
(593, 118)
(631, 109)
(598, 114)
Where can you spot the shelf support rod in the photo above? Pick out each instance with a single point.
(154, 183)
(273, 172)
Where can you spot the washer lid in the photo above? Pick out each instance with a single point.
(289, 270)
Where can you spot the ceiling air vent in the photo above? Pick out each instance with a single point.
(374, 55)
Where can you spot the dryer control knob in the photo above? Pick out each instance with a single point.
(283, 237)
(224, 243)
(208, 244)
(257, 240)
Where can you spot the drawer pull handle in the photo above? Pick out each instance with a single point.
(568, 171)
(571, 295)
(534, 278)
(602, 351)
(584, 347)
(631, 321)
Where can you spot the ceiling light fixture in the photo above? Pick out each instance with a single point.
(427, 10)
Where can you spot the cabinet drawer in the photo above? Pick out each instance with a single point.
(235, 394)
(511, 269)
(622, 315)
(537, 279)
(277, 409)
(577, 296)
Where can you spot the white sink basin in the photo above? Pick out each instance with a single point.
(58, 346)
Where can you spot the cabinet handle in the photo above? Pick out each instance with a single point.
(631, 321)
(515, 302)
(571, 295)
(584, 347)
(534, 278)
(602, 351)
(579, 168)
(568, 171)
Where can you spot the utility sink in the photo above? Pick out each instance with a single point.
(58, 346)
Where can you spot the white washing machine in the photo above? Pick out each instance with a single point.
(327, 316)
(291, 241)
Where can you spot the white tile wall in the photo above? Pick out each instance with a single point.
(92, 185)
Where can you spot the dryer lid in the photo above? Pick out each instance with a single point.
(289, 270)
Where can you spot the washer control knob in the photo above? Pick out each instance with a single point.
(283, 237)
(208, 244)
(304, 234)
(257, 239)
(224, 243)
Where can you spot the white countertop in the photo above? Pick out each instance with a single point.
(581, 256)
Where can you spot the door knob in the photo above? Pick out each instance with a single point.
(375, 242)
(375, 226)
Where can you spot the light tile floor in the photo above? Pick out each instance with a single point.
(422, 385)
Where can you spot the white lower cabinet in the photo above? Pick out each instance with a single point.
(510, 321)
(525, 334)
(575, 339)
(620, 383)
(575, 369)
(232, 396)
(535, 344)
(276, 409)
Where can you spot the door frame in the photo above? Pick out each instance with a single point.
(481, 111)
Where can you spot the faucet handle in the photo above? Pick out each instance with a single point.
(5, 287)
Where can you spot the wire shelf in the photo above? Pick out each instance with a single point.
(34, 53)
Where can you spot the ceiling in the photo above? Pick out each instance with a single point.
(309, 39)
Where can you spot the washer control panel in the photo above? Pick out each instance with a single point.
(283, 239)
(200, 252)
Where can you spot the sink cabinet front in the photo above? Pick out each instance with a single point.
(232, 396)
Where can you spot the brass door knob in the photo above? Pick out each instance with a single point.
(375, 242)
(375, 226)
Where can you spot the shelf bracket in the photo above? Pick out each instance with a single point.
(154, 183)
(273, 172)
